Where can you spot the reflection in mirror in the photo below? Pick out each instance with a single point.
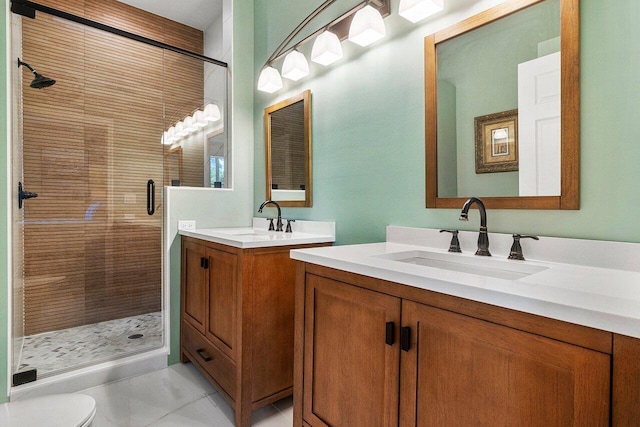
(217, 151)
(196, 107)
(173, 167)
(505, 107)
(288, 151)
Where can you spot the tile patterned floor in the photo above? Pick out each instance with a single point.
(177, 396)
(60, 351)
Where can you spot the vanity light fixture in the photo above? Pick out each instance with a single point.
(417, 10)
(326, 49)
(193, 123)
(295, 66)
(270, 80)
(367, 26)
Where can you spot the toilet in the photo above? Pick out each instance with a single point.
(56, 410)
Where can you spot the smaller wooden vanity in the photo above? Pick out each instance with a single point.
(237, 311)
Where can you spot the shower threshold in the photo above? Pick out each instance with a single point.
(69, 349)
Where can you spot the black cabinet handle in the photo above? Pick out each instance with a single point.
(390, 338)
(202, 354)
(201, 262)
(205, 263)
(151, 197)
(405, 338)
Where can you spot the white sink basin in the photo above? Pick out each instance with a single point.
(243, 232)
(482, 266)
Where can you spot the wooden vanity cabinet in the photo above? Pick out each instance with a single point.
(353, 371)
(462, 371)
(237, 311)
(375, 353)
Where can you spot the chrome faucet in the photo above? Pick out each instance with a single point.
(279, 222)
(483, 237)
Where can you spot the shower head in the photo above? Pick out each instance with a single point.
(40, 81)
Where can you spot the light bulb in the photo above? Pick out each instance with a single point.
(199, 120)
(212, 113)
(295, 66)
(270, 80)
(180, 130)
(367, 26)
(189, 125)
(417, 10)
(326, 49)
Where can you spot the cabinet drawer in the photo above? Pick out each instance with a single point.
(207, 355)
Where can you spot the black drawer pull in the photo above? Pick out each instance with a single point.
(204, 356)
(390, 338)
(405, 338)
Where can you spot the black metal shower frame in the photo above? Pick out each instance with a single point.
(28, 9)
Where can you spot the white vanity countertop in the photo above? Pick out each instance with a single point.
(258, 236)
(600, 290)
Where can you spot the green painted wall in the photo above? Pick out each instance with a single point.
(448, 151)
(4, 249)
(368, 131)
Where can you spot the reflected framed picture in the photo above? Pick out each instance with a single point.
(497, 142)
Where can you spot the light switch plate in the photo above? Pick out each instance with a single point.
(187, 225)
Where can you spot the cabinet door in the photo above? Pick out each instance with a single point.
(194, 284)
(462, 371)
(350, 373)
(221, 325)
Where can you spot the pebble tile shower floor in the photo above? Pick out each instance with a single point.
(60, 351)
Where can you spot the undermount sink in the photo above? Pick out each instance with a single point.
(244, 232)
(483, 266)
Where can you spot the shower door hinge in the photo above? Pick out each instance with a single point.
(25, 377)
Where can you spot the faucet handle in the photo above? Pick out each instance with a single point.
(288, 229)
(271, 226)
(454, 246)
(516, 248)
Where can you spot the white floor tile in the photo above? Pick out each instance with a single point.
(176, 396)
(269, 416)
(201, 413)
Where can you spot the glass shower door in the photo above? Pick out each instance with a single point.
(92, 238)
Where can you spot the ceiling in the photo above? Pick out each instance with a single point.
(194, 13)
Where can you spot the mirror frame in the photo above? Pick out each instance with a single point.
(569, 107)
(305, 97)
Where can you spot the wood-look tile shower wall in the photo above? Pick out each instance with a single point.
(91, 142)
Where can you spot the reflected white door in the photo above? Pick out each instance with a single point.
(539, 126)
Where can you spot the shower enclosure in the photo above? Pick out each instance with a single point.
(87, 250)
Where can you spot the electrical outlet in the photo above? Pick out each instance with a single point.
(187, 225)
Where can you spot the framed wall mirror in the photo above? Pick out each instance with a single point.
(288, 151)
(502, 108)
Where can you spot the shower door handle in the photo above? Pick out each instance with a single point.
(24, 195)
(151, 197)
